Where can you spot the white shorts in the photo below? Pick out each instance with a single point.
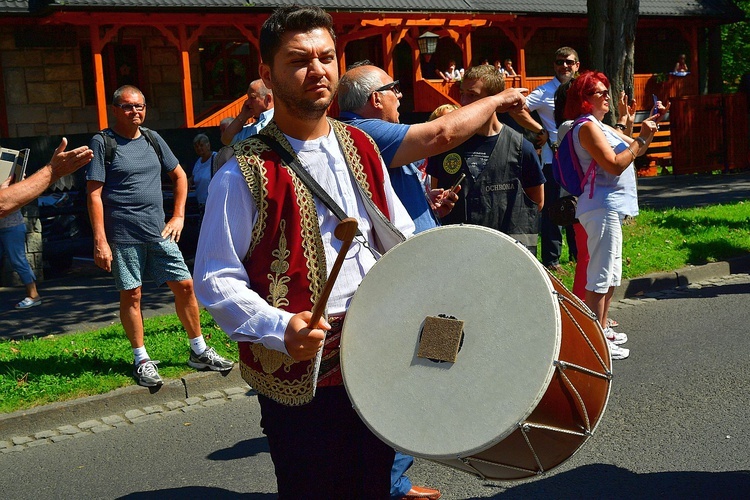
(604, 230)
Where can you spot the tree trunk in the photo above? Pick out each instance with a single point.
(612, 25)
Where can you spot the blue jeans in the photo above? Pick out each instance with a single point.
(400, 483)
(13, 244)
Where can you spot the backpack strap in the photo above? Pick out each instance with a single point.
(591, 170)
(151, 139)
(110, 145)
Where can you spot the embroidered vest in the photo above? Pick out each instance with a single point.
(288, 266)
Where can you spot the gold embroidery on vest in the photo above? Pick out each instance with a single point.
(287, 392)
(351, 155)
(277, 288)
(312, 242)
(251, 165)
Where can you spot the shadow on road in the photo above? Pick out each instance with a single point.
(204, 493)
(243, 449)
(609, 481)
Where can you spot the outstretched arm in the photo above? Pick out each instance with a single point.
(443, 134)
(62, 163)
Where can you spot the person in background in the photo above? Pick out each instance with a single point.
(224, 123)
(542, 100)
(504, 184)
(13, 244)
(259, 106)
(201, 175)
(131, 239)
(441, 110)
(508, 68)
(369, 99)
(614, 195)
(62, 163)
(452, 74)
(681, 68)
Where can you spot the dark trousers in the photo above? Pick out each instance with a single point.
(323, 450)
(550, 233)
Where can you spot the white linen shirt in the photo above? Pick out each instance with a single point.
(542, 100)
(252, 129)
(220, 278)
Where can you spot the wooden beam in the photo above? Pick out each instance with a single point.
(248, 34)
(96, 53)
(187, 85)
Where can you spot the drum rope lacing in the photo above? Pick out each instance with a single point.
(563, 299)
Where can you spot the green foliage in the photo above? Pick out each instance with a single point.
(58, 368)
(735, 39)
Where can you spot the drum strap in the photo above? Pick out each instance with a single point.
(313, 186)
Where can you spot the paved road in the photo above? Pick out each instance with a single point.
(676, 426)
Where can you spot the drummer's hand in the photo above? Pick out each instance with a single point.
(303, 343)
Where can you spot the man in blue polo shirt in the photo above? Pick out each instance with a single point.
(369, 98)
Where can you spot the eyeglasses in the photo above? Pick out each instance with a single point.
(566, 62)
(602, 93)
(394, 86)
(131, 107)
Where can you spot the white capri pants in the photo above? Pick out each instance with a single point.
(604, 242)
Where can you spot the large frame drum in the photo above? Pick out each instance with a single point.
(461, 348)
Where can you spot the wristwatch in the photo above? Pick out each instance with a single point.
(641, 141)
(541, 131)
(619, 126)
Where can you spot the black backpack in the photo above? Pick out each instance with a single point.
(110, 144)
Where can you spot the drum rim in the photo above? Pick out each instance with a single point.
(533, 403)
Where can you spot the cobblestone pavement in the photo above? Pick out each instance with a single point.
(138, 416)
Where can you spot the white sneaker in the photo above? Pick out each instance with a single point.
(618, 352)
(615, 337)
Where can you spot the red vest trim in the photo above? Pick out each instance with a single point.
(286, 260)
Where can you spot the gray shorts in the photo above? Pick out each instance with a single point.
(161, 260)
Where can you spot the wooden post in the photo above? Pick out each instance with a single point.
(187, 85)
(96, 53)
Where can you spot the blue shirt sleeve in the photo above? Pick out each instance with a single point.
(95, 170)
(388, 136)
(531, 169)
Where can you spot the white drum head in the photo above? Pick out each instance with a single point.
(511, 338)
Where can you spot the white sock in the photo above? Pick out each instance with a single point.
(140, 354)
(198, 345)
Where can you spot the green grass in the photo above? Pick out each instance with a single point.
(57, 368)
(669, 239)
(62, 367)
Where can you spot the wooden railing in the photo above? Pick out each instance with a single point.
(431, 93)
(229, 111)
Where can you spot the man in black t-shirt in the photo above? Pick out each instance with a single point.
(504, 185)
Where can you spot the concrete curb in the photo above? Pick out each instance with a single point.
(681, 277)
(120, 400)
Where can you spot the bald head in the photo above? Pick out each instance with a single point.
(259, 97)
(356, 87)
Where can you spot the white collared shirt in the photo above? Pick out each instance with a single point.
(220, 278)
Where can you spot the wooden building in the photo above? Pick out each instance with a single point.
(61, 60)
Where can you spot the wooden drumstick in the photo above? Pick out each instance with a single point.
(345, 232)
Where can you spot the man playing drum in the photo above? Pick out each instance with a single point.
(263, 256)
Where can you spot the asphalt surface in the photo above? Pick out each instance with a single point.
(84, 298)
